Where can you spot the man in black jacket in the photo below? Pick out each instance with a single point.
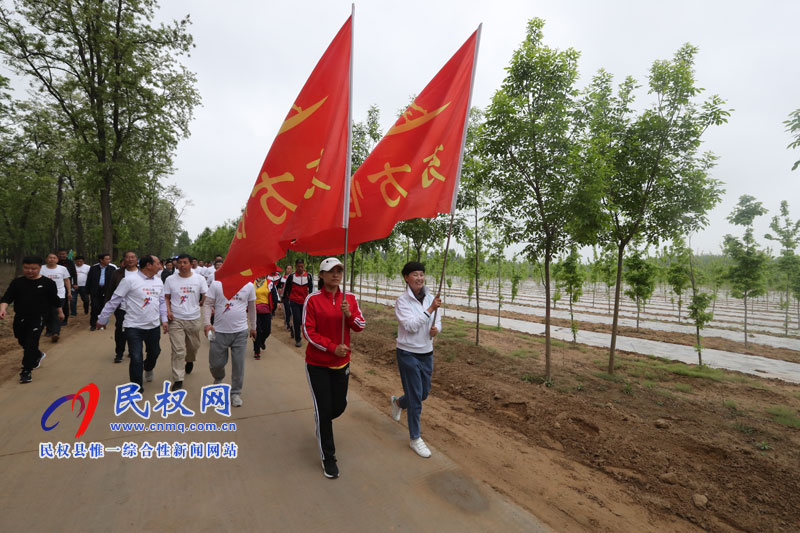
(34, 297)
(96, 280)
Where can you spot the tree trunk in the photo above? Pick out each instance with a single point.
(353, 270)
(56, 242)
(477, 281)
(786, 321)
(745, 320)
(615, 323)
(499, 267)
(638, 306)
(108, 224)
(361, 277)
(80, 236)
(547, 350)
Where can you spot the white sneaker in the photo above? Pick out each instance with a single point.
(396, 409)
(39, 362)
(418, 445)
(236, 401)
(148, 375)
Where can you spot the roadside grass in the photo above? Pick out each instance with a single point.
(785, 416)
(683, 387)
(523, 353)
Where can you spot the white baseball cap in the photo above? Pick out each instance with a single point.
(329, 263)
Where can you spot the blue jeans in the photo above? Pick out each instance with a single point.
(416, 370)
(137, 338)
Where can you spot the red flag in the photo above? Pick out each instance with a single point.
(413, 172)
(308, 159)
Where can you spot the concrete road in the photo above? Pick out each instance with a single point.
(274, 484)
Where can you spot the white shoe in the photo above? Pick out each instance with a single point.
(396, 409)
(148, 375)
(236, 401)
(39, 362)
(418, 445)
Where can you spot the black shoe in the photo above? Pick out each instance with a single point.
(93, 328)
(330, 469)
(25, 377)
(178, 385)
(264, 346)
(189, 367)
(118, 359)
(298, 343)
(39, 361)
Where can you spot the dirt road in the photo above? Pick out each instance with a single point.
(274, 484)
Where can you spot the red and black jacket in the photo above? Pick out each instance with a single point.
(322, 327)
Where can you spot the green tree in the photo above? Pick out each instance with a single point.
(748, 261)
(571, 280)
(642, 176)
(640, 275)
(607, 269)
(678, 271)
(793, 127)
(471, 197)
(698, 307)
(527, 141)
(788, 234)
(114, 77)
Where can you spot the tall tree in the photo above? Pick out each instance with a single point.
(698, 308)
(788, 234)
(640, 275)
(643, 176)
(571, 280)
(527, 138)
(748, 260)
(678, 275)
(112, 75)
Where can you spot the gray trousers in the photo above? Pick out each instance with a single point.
(218, 357)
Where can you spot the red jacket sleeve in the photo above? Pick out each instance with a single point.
(356, 321)
(310, 329)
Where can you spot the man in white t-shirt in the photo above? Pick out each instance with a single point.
(82, 271)
(232, 320)
(184, 293)
(61, 276)
(143, 294)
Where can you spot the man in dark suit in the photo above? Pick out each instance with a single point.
(96, 280)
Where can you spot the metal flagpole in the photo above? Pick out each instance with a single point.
(348, 166)
(460, 163)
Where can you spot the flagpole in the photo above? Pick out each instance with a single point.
(348, 166)
(460, 164)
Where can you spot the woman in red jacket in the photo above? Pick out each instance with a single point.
(328, 355)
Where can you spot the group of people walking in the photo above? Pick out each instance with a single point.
(148, 299)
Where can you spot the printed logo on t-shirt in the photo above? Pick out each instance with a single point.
(183, 299)
(228, 306)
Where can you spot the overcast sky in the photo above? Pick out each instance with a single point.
(252, 58)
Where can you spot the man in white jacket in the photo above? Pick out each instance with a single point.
(415, 310)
